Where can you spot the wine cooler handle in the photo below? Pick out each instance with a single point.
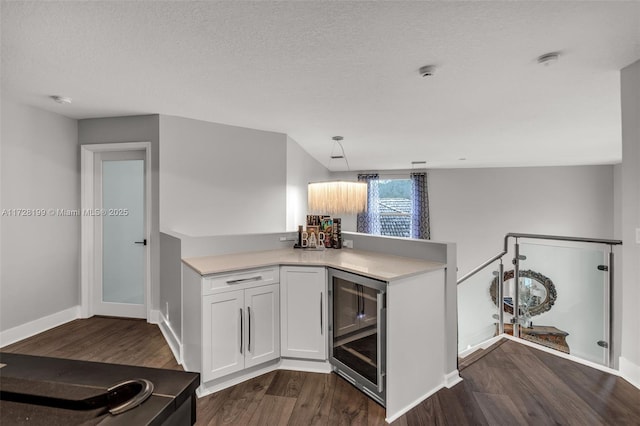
(382, 338)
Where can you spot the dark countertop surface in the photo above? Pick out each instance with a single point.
(72, 379)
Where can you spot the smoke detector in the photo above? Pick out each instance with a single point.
(427, 70)
(548, 58)
(61, 99)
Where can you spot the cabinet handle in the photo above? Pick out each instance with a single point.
(321, 326)
(249, 312)
(241, 333)
(244, 280)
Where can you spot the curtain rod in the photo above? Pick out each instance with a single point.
(407, 174)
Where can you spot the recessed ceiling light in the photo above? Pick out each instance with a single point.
(61, 99)
(548, 58)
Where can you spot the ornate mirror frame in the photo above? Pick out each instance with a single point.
(545, 281)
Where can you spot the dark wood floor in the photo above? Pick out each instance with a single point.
(511, 384)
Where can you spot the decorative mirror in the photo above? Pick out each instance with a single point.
(537, 292)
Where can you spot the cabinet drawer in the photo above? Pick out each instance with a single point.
(240, 280)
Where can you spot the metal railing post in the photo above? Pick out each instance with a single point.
(516, 292)
(501, 298)
(610, 362)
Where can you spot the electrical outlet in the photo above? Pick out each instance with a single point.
(348, 243)
(637, 235)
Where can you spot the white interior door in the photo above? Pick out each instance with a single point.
(121, 240)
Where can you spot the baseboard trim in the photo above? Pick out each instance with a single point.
(155, 316)
(483, 345)
(304, 365)
(217, 385)
(170, 337)
(37, 326)
(451, 379)
(395, 416)
(630, 371)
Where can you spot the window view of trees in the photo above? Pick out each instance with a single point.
(395, 188)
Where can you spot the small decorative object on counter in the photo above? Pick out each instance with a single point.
(321, 232)
(299, 243)
(337, 233)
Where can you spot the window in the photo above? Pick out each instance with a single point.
(396, 207)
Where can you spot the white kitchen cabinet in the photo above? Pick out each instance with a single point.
(222, 334)
(262, 307)
(303, 300)
(240, 323)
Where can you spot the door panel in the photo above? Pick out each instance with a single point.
(303, 300)
(223, 317)
(262, 325)
(123, 224)
(121, 234)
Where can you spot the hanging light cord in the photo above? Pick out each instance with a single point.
(336, 140)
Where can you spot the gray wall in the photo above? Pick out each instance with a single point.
(477, 207)
(170, 279)
(39, 255)
(630, 222)
(301, 169)
(142, 128)
(221, 180)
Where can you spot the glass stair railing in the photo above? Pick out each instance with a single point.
(563, 299)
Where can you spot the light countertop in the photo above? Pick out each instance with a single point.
(375, 265)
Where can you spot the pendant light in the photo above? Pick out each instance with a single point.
(337, 197)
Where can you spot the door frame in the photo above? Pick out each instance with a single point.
(89, 253)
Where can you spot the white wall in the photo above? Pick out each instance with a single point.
(218, 180)
(40, 255)
(301, 169)
(630, 179)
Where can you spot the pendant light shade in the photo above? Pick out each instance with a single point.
(337, 197)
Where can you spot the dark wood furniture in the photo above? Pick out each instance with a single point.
(38, 380)
(544, 335)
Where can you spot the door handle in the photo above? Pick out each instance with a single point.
(321, 325)
(241, 336)
(143, 242)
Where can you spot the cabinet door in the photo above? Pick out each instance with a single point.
(303, 300)
(346, 299)
(222, 323)
(262, 328)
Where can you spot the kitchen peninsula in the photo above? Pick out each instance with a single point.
(246, 313)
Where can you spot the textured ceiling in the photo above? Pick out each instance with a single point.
(318, 69)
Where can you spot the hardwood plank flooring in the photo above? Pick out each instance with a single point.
(510, 384)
